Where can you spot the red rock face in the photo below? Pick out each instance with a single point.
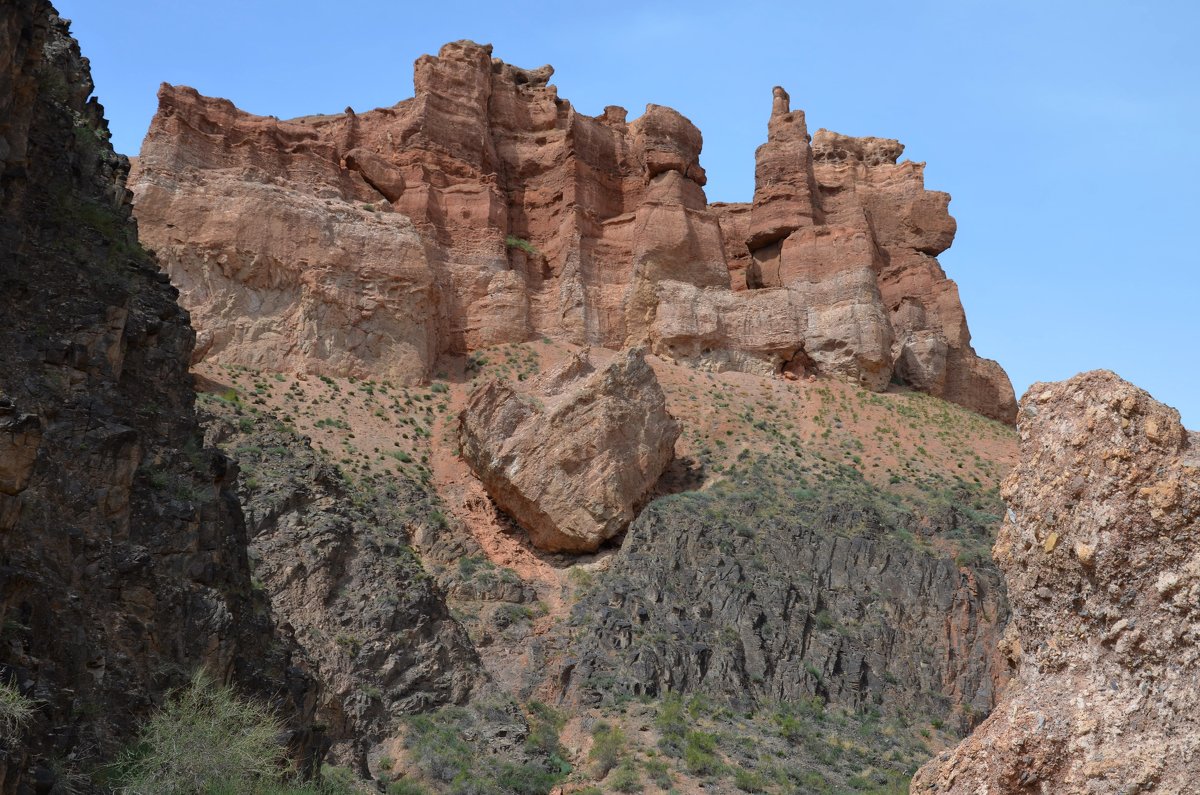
(487, 210)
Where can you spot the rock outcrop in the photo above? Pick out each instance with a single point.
(486, 209)
(123, 562)
(336, 564)
(574, 459)
(758, 592)
(1102, 557)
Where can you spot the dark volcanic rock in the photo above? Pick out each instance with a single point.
(760, 599)
(335, 560)
(122, 547)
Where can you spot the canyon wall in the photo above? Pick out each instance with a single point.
(123, 562)
(487, 210)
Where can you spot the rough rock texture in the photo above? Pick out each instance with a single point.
(1102, 556)
(122, 547)
(486, 209)
(777, 589)
(574, 460)
(336, 564)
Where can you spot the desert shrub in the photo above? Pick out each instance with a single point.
(445, 746)
(698, 753)
(405, 787)
(524, 245)
(749, 781)
(659, 773)
(625, 778)
(205, 739)
(15, 711)
(608, 743)
(671, 725)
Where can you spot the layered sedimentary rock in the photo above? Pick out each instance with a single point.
(573, 459)
(123, 562)
(1102, 557)
(486, 209)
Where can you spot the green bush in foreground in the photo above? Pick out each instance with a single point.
(15, 711)
(207, 739)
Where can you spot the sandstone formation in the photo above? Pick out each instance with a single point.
(572, 460)
(1102, 557)
(486, 209)
(123, 561)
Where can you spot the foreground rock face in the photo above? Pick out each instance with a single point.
(123, 562)
(486, 209)
(1102, 557)
(573, 460)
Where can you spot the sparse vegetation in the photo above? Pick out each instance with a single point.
(520, 243)
(206, 738)
(15, 711)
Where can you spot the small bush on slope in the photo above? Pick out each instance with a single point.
(15, 711)
(207, 739)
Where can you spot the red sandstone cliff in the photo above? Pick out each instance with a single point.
(486, 209)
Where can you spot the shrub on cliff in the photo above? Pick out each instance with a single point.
(205, 739)
(15, 711)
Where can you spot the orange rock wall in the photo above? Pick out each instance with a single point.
(486, 210)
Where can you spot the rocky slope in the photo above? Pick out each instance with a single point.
(122, 546)
(1101, 556)
(800, 581)
(573, 459)
(816, 591)
(345, 583)
(486, 210)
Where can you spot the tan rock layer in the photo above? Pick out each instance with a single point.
(574, 459)
(1102, 559)
(486, 210)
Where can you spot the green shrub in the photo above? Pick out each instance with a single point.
(607, 746)
(698, 754)
(516, 242)
(625, 778)
(205, 738)
(15, 711)
(659, 773)
(748, 781)
(405, 787)
(671, 725)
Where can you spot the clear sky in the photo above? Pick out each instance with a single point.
(1067, 131)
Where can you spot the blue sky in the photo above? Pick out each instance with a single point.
(1065, 131)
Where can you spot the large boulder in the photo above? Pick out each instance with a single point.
(573, 460)
(1102, 557)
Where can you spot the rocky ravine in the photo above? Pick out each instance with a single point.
(1102, 557)
(486, 210)
(123, 561)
